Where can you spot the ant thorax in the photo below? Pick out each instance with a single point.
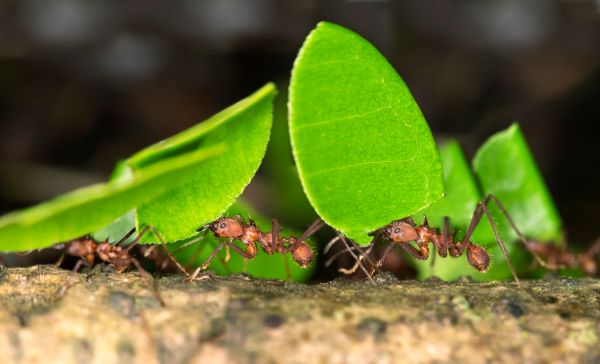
(427, 234)
(265, 240)
(250, 235)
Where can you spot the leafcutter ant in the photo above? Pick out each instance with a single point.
(117, 255)
(233, 229)
(404, 231)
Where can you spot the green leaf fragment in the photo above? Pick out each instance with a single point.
(82, 211)
(211, 189)
(363, 149)
(505, 167)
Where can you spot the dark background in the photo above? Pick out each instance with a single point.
(84, 83)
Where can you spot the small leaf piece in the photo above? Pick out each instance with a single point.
(505, 167)
(363, 149)
(81, 211)
(211, 189)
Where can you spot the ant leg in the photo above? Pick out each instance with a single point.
(240, 251)
(124, 239)
(594, 249)
(356, 263)
(195, 240)
(363, 255)
(275, 247)
(342, 252)
(387, 251)
(69, 282)
(207, 261)
(330, 244)
(196, 254)
(163, 244)
(169, 253)
(362, 267)
(313, 228)
(149, 281)
(421, 254)
(484, 209)
(288, 272)
(275, 229)
(443, 251)
(227, 254)
(60, 260)
(526, 243)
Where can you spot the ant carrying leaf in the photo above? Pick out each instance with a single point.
(404, 231)
(231, 230)
(118, 255)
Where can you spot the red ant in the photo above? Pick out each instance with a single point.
(230, 229)
(559, 257)
(116, 255)
(404, 231)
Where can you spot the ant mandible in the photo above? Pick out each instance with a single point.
(229, 229)
(404, 231)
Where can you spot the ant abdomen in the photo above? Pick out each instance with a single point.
(302, 254)
(478, 257)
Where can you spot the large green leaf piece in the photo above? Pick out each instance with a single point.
(86, 209)
(210, 190)
(263, 265)
(505, 167)
(363, 149)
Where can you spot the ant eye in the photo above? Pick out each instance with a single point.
(223, 225)
(397, 230)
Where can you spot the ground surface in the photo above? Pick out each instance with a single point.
(107, 317)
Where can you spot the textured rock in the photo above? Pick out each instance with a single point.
(108, 317)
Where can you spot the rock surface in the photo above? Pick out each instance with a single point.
(107, 317)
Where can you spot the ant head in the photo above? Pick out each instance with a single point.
(227, 228)
(400, 231)
(478, 257)
(302, 254)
